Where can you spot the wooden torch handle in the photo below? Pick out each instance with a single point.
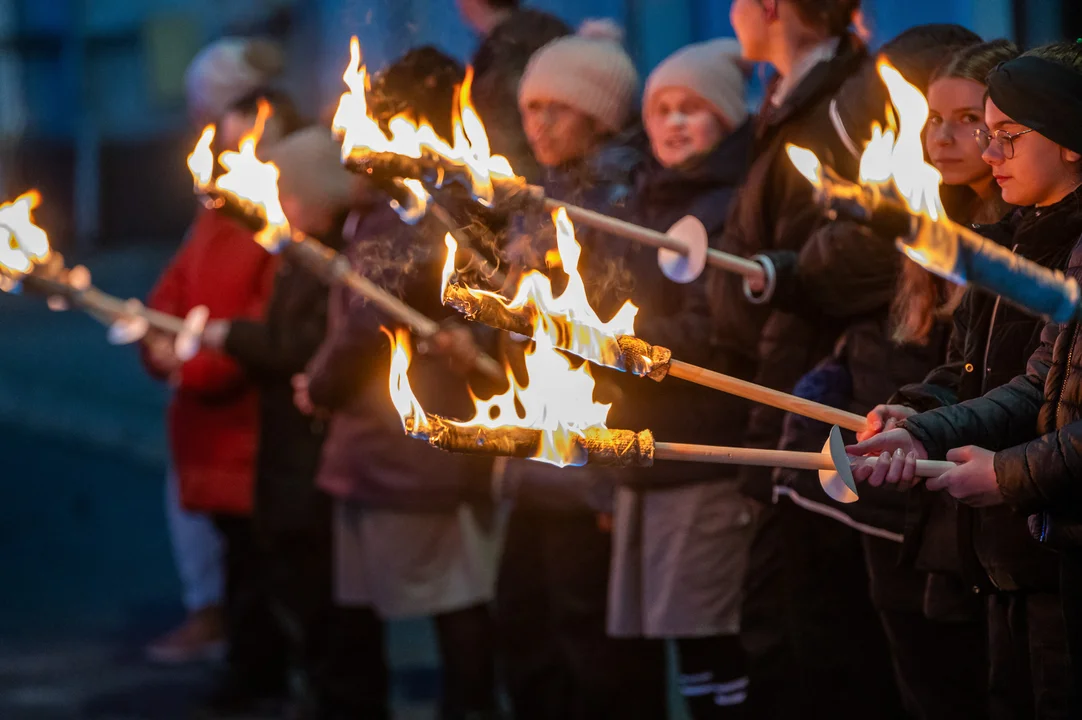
(766, 396)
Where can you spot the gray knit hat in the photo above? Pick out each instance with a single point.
(226, 71)
(589, 71)
(713, 70)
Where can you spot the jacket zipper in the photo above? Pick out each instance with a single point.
(1066, 372)
(988, 341)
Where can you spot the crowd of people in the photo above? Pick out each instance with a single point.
(304, 519)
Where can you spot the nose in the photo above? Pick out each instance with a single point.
(943, 134)
(993, 154)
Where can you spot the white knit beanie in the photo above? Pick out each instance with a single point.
(713, 70)
(588, 71)
(227, 70)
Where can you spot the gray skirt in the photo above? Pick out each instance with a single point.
(679, 558)
(414, 564)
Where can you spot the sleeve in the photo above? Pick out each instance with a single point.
(283, 344)
(339, 367)
(687, 332)
(843, 271)
(942, 385)
(212, 373)
(1005, 417)
(168, 294)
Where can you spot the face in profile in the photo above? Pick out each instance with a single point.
(956, 113)
(681, 126)
(749, 21)
(558, 134)
(1029, 168)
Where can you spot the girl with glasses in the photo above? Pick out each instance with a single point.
(1017, 445)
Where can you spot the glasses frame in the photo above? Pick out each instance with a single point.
(1004, 140)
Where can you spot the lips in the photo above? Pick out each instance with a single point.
(1002, 178)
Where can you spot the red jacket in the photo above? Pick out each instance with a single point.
(213, 416)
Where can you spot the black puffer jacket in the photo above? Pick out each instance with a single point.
(775, 210)
(498, 65)
(678, 316)
(271, 351)
(991, 342)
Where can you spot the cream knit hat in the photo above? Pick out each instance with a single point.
(227, 70)
(713, 70)
(589, 71)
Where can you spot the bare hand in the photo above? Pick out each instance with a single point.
(215, 333)
(898, 453)
(301, 398)
(457, 345)
(974, 480)
(883, 419)
(162, 352)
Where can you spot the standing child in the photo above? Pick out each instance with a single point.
(1035, 150)
(681, 533)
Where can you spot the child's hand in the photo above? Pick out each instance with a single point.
(898, 452)
(883, 419)
(456, 343)
(162, 353)
(974, 480)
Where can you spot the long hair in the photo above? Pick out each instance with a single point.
(922, 299)
(832, 17)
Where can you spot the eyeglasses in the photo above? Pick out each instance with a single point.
(1004, 140)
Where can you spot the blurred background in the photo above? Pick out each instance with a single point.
(92, 114)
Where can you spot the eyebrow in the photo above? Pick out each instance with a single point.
(1004, 123)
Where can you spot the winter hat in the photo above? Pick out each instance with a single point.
(588, 71)
(227, 70)
(712, 70)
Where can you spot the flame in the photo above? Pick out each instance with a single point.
(896, 153)
(248, 179)
(201, 161)
(22, 243)
(557, 398)
(806, 162)
(416, 205)
(362, 135)
(570, 321)
(402, 396)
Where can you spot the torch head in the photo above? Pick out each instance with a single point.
(838, 483)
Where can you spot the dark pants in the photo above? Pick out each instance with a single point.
(550, 610)
(257, 654)
(941, 667)
(1071, 598)
(467, 656)
(1030, 666)
(338, 654)
(713, 677)
(815, 645)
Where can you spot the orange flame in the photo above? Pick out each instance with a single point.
(557, 398)
(570, 321)
(201, 161)
(22, 243)
(247, 179)
(362, 135)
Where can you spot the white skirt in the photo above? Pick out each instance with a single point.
(679, 559)
(414, 564)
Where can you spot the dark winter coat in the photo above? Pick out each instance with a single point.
(602, 182)
(272, 351)
(498, 66)
(367, 456)
(678, 316)
(776, 211)
(990, 344)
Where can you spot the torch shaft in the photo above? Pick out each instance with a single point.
(96, 301)
(653, 238)
(766, 396)
(333, 266)
(775, 458)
